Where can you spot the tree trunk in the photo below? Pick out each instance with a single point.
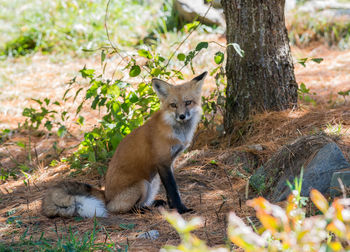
(264, 78)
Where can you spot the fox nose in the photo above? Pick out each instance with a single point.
(182, 116)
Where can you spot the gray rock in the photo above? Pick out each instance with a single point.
(189, 10)
(318, 173)
(150, 235)
(285, 164)
(319, 156)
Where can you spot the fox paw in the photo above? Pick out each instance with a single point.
(185, 210)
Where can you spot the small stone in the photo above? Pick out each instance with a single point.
(318, 173)
(150, 235)
(318, 155)
(257, 147)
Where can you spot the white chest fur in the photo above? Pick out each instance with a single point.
(183, 132)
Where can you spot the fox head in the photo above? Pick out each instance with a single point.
(180, 102)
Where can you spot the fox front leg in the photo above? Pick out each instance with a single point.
(173, 196)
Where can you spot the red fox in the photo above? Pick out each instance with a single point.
(143, 159)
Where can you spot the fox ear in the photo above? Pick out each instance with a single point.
(199, 80)
(161, 88)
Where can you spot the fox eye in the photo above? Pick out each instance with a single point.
(173, 105)
(188, 103)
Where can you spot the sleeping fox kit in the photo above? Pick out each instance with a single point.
(143, 159)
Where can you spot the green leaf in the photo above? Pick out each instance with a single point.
(114, 90)
(77, 93)
(37, 100)
(156, 72)
(65, 94)
(87, 72)
(87, 50)
(303, 89)
(134, 71)
(344, 93)
(133, 98)
(92, 157)
(201, 45)
(302, 61)
(47, 101)
(219, 57)
(79, 108)
(317, 60)
(48, 125)
(21, 144)
(237, 49)
(80, 120)
(62, 131)
(95, 102)
(191, 26)
(145, 53)
(181, 57)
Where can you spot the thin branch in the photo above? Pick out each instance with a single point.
(182, 42)
(116, 50)
(107, 32)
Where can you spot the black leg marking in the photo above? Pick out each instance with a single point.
(169, 201)
(168, 180)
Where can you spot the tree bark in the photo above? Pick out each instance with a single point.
(264, 78)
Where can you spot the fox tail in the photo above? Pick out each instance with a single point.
(68, 199)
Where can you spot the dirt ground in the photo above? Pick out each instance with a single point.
(212, 179)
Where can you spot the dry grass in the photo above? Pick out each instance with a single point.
(212, 180)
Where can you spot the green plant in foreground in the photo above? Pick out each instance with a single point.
(281, 229)
(189, 242)
(296, 189)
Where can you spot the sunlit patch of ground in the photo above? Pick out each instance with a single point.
(327, 78)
